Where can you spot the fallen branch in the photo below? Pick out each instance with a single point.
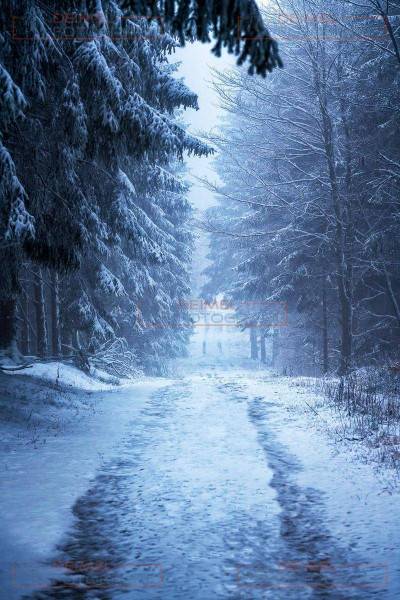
(312, 408)
(12, 369)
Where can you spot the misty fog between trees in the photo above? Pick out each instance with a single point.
(97, 231)
(308, 209)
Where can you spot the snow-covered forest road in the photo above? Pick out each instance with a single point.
(221, 487)
(201, 504)
(210, 496)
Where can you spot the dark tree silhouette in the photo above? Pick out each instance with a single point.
(236, 25)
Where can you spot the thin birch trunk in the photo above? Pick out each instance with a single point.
(253, 343)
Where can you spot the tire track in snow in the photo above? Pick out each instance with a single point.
(322, 563)
(99, 556)
(191, 490)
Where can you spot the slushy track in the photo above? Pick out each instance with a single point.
(200, 504)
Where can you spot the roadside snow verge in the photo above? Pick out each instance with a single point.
(64, 375)
(361, 501)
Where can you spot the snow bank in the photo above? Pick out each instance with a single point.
(65, 375)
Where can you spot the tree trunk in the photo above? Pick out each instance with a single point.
(253, 342)
(346, 330)
(325, 356)
(67, 343)
(275, 346)
(8, 327)
(346, 286)
(25, 327)
(40, 313)
(391, 32)
(392, 295)
(55, 315)
(344, 262)
(262, 348)
(9, 290)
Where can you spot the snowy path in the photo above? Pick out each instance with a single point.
(203, 501)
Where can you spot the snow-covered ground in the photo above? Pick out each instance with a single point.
(222, 483)
(65, 375)
(52, 444)
(360, 505)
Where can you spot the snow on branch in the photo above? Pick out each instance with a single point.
(12, 101)
(12, 195)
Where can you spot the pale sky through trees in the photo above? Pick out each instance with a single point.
(197, 64)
